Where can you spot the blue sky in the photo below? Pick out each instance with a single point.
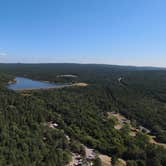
(125, 32)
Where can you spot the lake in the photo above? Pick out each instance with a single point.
(23, 83)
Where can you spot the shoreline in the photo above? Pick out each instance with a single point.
(79, 84)
(12, 81)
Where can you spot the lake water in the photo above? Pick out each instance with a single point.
(26, 83)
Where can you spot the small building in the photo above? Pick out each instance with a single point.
(144, 130)
(52, 124)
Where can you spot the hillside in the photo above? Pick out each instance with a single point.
(81, 114)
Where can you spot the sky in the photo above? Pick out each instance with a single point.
(123, 32)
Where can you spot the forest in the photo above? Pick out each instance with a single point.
(81, 114)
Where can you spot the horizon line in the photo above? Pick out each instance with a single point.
(120, 65)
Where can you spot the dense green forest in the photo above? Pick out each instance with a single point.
(81, 114)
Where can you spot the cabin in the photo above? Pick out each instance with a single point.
(52, 125)
(144, 130)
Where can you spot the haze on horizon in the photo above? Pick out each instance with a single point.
(122, 32)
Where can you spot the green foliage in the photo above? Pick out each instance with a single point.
(76, 147)
(81, 113)
(97, 162)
